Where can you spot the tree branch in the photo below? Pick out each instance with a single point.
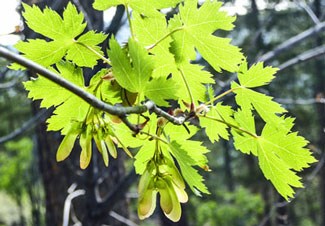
(122, 112)
(292, 42)
(89, 98)
(26, 126)
(308, 10)
(305, 56)
(122, 219)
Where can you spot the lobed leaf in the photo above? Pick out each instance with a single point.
(160, 89)
(64, 32)
(263, 104)
(196, 27)
(257, 75)
(280, 153)
(186, 163)
(39, 88)
(213, 128)
(148, 7)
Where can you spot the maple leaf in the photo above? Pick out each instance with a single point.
(133, 73)
(186, 163)
(257, 76)
(187, 78)
(156, 64)
(195, 31)
(188, 154)
(69, 106)
(63, 33)
(132, 77)
(143, 156)
(148, 7)
(39, 88)
(280, 152)
(215, 129)
(150, 31)
(160, 89)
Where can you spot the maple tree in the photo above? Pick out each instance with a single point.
(122, 105)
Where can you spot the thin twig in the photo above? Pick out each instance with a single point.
(308, 10)
(8, 85)
(131, 126)
(293, 41)
(300, 101)
(26, 126)
(122, 219)
(240, 129)
(175, 120)
(303, 57)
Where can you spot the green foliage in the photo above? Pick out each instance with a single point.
(240, 207)
(15, 163)
(62, 32)
(156, 64)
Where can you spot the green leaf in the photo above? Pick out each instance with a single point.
(143, 156)
(81, 52)
(39, 21)
(186, 163)
(40, 87)
(70, 108)
(219, 52)
(256, 76)
(195, 150)
(195, 77)
(149, 31)
(279, 151)
(263, 104)
(288, 146)
(131, 77)
(161, 89)
(42, 52)
(196, 28)
(73, 22)
(147, 7)
(215, 129)
(245, 143)
(64, 32)
(109, 91)
(180, 132)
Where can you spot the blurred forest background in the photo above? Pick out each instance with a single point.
(36, 190)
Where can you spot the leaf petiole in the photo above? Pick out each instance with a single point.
(129, 19)
(95, 52)
(164, 37)
(154, 136)
(222, 95)
(187, 86)
(230, 125)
